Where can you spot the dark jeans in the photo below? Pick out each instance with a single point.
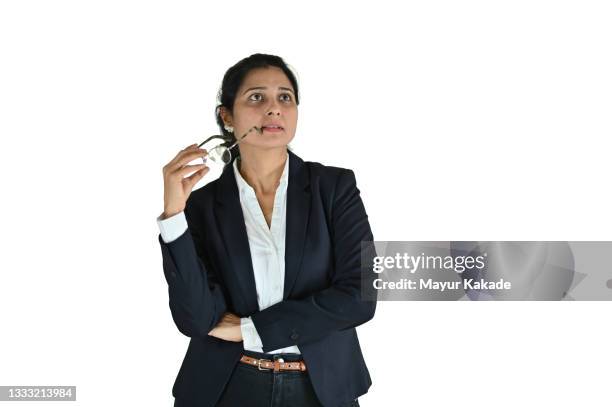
(250, 387)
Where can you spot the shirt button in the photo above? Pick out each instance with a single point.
(294, 336)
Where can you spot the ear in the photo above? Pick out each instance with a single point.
(226, 115)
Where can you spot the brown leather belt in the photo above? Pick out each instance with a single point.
(275, 365)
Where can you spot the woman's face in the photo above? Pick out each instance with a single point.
(265, 98)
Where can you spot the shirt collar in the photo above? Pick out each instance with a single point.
(243, 185)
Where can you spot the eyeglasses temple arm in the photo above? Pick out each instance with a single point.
(245, 134)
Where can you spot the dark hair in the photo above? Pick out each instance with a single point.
(233, 79)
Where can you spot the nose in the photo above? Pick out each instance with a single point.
(273, 109)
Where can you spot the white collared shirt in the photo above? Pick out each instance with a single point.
(267, 246)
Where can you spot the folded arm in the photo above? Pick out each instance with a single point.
(340, 306)
(196, 301)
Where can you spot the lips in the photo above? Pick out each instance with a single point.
(272, 128)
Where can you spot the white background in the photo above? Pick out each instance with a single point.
(471, 120)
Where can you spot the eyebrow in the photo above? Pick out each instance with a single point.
(263, 87)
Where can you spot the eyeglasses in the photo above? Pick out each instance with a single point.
(222, 154)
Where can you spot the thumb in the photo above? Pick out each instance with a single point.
(195, 177)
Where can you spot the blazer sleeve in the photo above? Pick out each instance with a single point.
(341, 305)
(196, 301)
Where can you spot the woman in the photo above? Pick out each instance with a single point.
(264, 264)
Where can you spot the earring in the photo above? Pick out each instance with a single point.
(230, 129)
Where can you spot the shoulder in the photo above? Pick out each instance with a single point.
(333, 180)
(337, 189)
(330, 172)
(325, 171)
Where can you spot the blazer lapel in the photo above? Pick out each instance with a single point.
(230, 221)
(298, 215)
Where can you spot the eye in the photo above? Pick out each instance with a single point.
(253, 98)
(286, 97)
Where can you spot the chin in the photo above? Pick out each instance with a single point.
(265, 146)
(273, 141)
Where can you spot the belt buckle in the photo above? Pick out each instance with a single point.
(259, 365)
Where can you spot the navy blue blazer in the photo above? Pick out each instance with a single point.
(209, 271)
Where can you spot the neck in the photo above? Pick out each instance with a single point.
(262, 170)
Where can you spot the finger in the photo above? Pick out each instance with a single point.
(186, 157)
(195, 177)
(188, 149)
(189, 169)
(180, 152)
